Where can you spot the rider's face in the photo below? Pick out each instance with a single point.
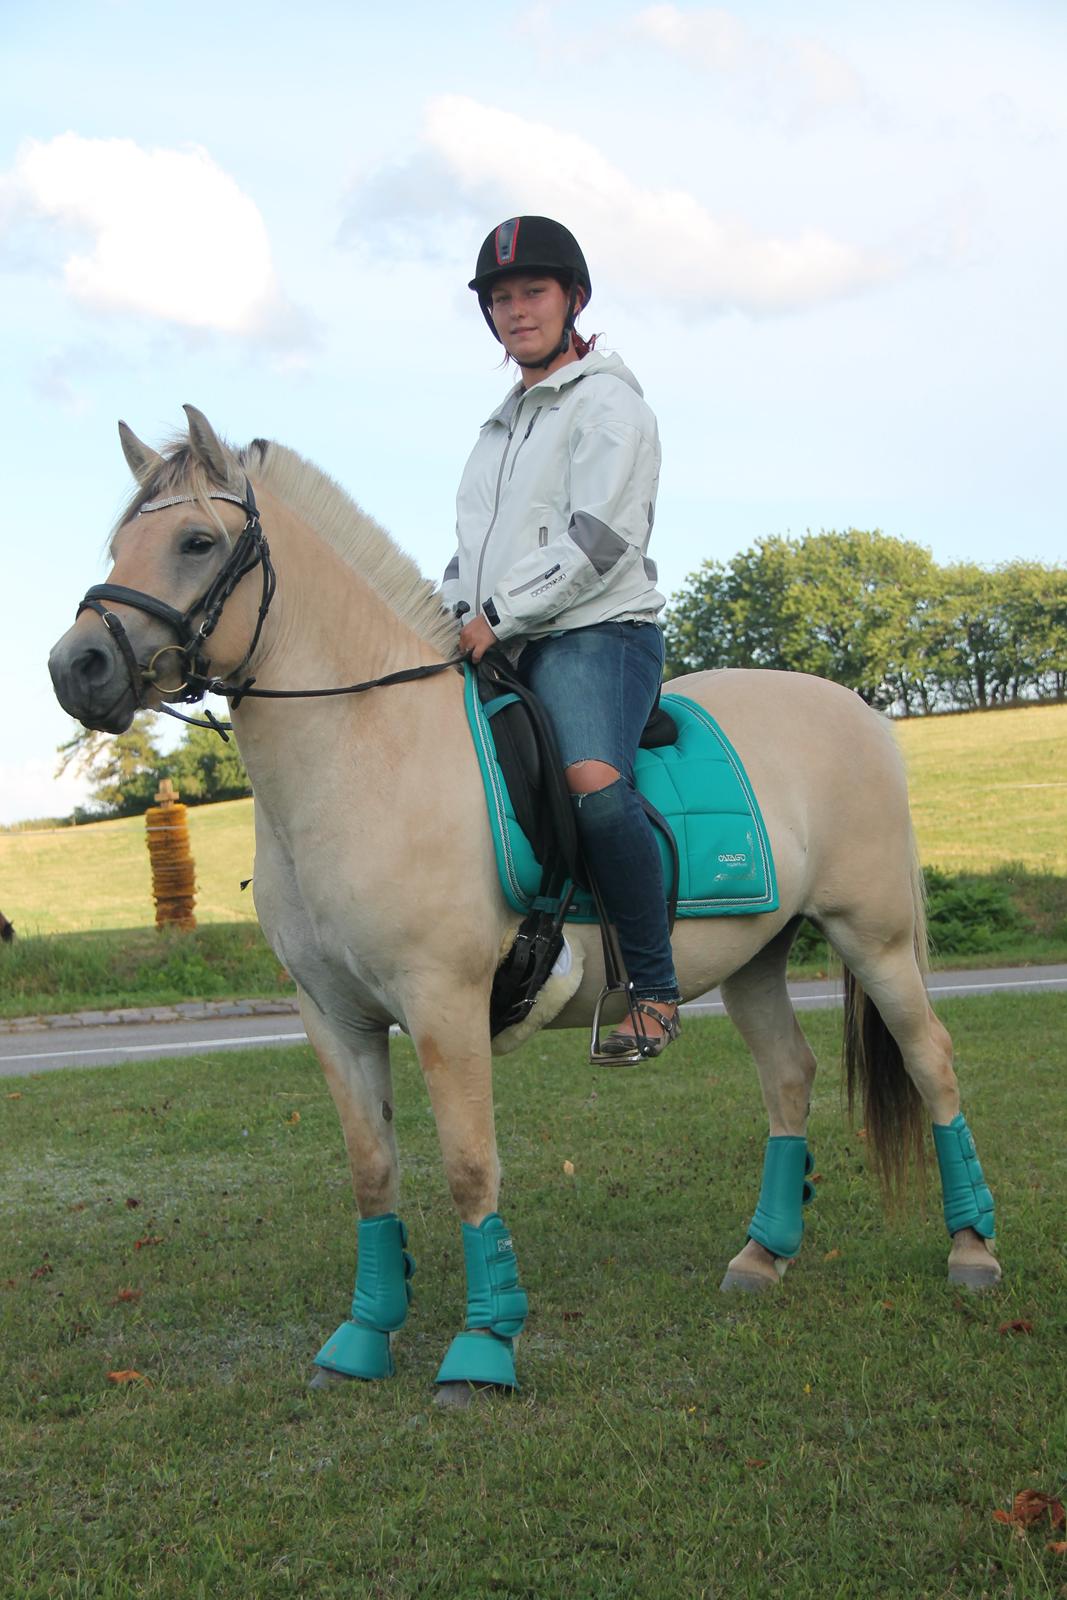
(528, 313)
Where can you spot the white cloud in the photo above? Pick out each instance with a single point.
(662, 243)
(165, 234)
(719, 41)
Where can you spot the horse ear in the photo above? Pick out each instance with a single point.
(142, 461)
(207, 446)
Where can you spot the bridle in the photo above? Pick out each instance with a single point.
(250, 550)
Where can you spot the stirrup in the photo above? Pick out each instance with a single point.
(602, 1053)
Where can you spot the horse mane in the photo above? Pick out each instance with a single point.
(360, 541)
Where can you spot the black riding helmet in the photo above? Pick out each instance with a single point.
(533, 244)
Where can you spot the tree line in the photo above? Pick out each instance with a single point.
(879, 615)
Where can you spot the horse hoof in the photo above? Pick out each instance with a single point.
(747, 1282)
(325, 1378)
(974, 1274)
(458, 1396)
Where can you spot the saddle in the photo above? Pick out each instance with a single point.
(533, 774)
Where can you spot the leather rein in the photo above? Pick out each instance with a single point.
(250, 550)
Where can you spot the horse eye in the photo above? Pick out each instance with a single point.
(197, 544)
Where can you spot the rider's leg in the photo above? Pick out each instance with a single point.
(598, 686)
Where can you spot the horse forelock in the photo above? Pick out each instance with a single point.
(180, 472)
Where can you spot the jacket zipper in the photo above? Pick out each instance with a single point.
(533, 582)
(496, 512)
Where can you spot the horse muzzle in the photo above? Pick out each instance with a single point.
(92, 681)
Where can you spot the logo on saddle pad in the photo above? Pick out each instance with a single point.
(738, 859)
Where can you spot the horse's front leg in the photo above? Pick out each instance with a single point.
(452, 1040)
(355, 1061)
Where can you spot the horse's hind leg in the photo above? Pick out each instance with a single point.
(892, 982)
(758, 1003)
(355, 1061)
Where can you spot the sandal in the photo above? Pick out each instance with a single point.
(625, 1048)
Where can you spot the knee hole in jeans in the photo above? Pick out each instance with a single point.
(590, 776)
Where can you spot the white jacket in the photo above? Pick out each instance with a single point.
(556, 504)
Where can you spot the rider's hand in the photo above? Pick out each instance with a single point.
(476, 638)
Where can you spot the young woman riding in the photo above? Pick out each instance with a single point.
(554, 514)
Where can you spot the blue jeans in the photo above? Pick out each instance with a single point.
(598, 685)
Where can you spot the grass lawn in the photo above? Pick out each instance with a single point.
(850, 1435)
(989, 788)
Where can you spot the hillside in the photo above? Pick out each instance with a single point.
(987, 789)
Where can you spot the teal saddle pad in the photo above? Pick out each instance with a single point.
(697, 784)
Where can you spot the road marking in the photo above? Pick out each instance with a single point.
(169, 1048)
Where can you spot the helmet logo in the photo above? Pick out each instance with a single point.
(507, 236)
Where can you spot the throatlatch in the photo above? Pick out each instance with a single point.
(778, 1224)
(496, 1309)
(360, 1347)
(967, 1197)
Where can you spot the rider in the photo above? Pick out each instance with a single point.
(554, 513)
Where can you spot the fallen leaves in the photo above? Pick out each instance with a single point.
(1020, 1325)
(568, 1167)
(146, 1240)
(292, 1119)
(127, 1375)
(127, 1297)
(43, 1270)
(1030, 1506)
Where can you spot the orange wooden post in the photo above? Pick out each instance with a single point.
(173, 868)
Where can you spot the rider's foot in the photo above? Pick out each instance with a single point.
(658, 1024)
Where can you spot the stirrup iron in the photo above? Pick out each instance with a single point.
(643, 1048)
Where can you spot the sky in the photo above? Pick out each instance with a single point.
(829, 238)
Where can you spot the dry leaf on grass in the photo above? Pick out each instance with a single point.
(149, 1238)
(1028, 1507)
(127, 1375)
(125, 1296)
(1018, 1326)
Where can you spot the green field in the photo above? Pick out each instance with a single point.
(989, 788)
(851, 1435)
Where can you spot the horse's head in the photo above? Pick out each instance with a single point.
(159, 626)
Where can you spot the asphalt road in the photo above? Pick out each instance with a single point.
(90, 1043)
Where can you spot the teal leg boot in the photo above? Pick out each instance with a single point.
(496, 1310)
(778, 1224)
(969, 1215)
(360, 1347)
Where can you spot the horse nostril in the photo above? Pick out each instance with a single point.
(92, 667)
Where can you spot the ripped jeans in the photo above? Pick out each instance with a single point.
(598, 686)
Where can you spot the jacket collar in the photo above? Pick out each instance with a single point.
(563, 377)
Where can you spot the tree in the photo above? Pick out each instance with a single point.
(124, 768)
(847, 606)
(204, 768)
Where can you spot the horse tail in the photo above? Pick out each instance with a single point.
(875, 1077)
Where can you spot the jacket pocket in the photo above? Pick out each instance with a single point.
(533, 582)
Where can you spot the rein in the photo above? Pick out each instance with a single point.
(250, 550)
